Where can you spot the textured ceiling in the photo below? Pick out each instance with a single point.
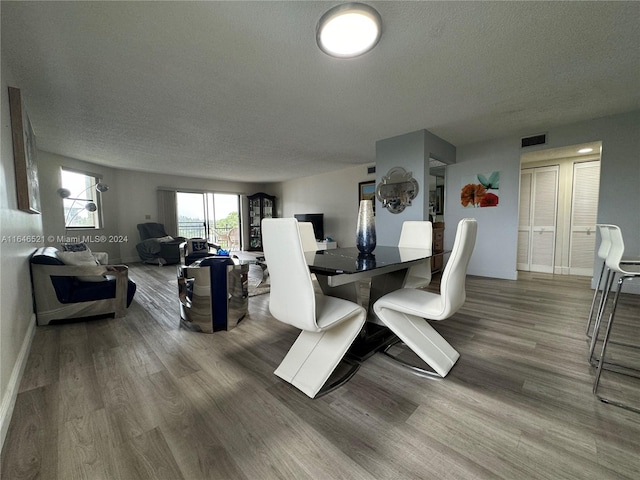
(240, 91)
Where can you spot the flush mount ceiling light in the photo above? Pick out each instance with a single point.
(349, 30)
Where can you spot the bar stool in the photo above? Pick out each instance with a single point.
(613, 262)
(603, 252)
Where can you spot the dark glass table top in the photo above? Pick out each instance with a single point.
(350, 260)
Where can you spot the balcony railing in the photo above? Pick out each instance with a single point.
(227, 238)
(191, 230)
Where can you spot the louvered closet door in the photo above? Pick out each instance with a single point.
(537, 218)
(584, 212)
(524, 221)
(544, 214)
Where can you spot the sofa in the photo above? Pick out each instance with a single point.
(77, 289)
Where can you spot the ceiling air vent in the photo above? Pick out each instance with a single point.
(533, 140)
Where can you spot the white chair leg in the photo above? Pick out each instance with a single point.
(422, 338)
(315, 355)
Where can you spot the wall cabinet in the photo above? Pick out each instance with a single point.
(438, 246)
(261, 206)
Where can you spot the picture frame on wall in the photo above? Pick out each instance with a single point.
(367, 191)
(24, 155)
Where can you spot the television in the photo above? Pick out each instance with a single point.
(316, 219)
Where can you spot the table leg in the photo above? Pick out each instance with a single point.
(348, 291)
(374, 335)
(265, 272)
(380, 286)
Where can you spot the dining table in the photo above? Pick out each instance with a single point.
(363, 278)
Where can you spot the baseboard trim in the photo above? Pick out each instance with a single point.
(11, 394)
(502, 274)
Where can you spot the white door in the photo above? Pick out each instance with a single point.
(524, 221)
(584, 212)
(536, 250)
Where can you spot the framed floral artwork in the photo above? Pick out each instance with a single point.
(480, 191)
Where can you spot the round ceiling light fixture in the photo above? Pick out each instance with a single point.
(349, 30)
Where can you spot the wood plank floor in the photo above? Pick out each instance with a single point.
(140, 398)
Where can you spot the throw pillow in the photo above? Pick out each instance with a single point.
(82, 259)
(197, 245)
(74, 247)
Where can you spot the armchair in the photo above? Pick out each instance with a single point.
(66, 291)
(195, 249)
(156, 245)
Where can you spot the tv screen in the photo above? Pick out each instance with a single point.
(316, 219)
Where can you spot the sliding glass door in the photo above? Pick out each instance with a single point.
(225, 223)
(192, 215)
(210, 215)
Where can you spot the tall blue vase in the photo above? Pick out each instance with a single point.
(366, 229)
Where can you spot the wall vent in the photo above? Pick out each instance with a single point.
(371, 170)
(533, 140)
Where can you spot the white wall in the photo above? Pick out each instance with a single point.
(131, 197)
(495, 252)
(410, 151)
(335, 194)
(17, 320)
(53, 210)
(137, 199)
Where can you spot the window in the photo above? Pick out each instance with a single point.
(214, 216)
(82, 206)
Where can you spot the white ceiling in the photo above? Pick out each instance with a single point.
(240, 91)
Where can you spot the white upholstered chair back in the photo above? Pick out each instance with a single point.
(292, 298)
(616, 251)
(452, 285)
(417, 234)
(308, 237)
(605, 242)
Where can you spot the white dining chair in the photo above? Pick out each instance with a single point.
(417, 234)
(406, 311)
(308, 237)
(329, 325)
(614, 263)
